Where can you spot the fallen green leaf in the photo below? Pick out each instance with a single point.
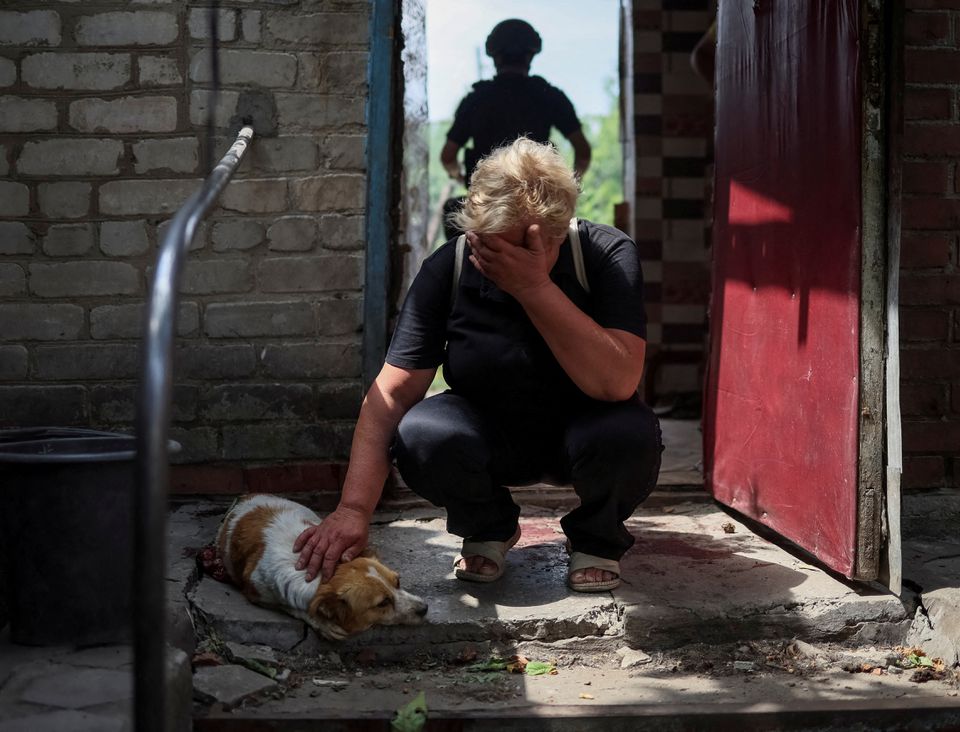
(411, 717)
(538, 668)
(493, 664)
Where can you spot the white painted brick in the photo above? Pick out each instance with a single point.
(216, 276)
(14, 199)
(252, 23)
(316, 30)
(329, 193)
(84, 71)
(133, 197)
(66, 200)
(292, 234)
(124, 115)
(199, 24)
(233, 320)
(310, 274)
(140, 28)
(282, 154)
(340, 73)
(345, 152)
(34, 322)
(27, 115)
(126, 321)
(309, 112)
(16, 238)
(255, 196)
(158, 71)
(200, 236)
(8, 72)
(33, 28)
(70, 156)
(339, 316)
(67, 279)
(236, 234)
(14, 363)
(86, 362)
(13, 280)
(68, 240)
(225, 109)
(260, 68)
(342, 232)
(178, 155)
(123, 238)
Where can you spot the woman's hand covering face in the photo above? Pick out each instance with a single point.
(518, 260)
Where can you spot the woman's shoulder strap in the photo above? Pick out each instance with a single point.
(457, 267)
(577, 251)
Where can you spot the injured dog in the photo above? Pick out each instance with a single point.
(256, 544)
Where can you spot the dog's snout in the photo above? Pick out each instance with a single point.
(421, 609)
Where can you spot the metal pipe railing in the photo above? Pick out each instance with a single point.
(153, 427)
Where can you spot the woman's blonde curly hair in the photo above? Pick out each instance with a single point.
(524, 182)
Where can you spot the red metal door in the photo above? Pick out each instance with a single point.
(782, 414)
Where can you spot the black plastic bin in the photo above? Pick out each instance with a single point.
(66, 530)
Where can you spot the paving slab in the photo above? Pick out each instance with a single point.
(229, 685)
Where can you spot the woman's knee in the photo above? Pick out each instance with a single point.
(438, 435)
(624, 434)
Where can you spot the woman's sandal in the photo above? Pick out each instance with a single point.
(495, 551)
(579, 561)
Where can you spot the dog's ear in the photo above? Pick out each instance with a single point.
(329, 605)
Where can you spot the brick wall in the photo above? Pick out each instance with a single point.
(930, 281)
(103, 107)
(673, 123)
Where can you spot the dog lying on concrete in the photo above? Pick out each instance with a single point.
(256, 544)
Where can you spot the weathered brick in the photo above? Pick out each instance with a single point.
(929, 288)
(926, 29)
(14, 199)
(214, 276)
(311, 112)
(339, 316)
(925, 250)
(316, 30)
(118, 404)
(931, 140)
(33, 322)
(140, 28)
(226, 107)
(70, 157)
(123, 238)
(292, 234)
(243, 320)
(158, 71)
(925, 177)
(310, 274)
(27, 115)
(67, 200)
(930, 363)
(931, 213)
(68, 240)
(313, 360)
(124, 115)
(256, 402)
(8, 72)
(924, 325)
(178, 155)
(28, 406)
(200, 236)
(329, 193)
(339, 400)
(342, 232)
(275, 442)
(16, 238)
(199, 445)
(925, 66)
(257, 68)
(32, 28)
(926, 471)
(930, 436)
(13, 280)
(199, 24)
(337, 73)
(251, 24)
(281, 154)
(4, 162)
(928, 400)
(85, 71)
(87, 361)
(126, 321)
(345, 152)
(13, 363)
(236, 234)
(215, 362)
(133, 197)
(255, 196)
(67, 279)
(927, 104)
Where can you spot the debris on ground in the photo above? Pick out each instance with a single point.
(728, 527)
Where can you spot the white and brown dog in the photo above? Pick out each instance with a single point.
(256, 545)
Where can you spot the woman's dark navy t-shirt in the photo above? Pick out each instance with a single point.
(488, 347)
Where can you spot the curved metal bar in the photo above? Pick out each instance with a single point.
(153, 427)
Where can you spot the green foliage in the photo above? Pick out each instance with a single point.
(411, 717)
